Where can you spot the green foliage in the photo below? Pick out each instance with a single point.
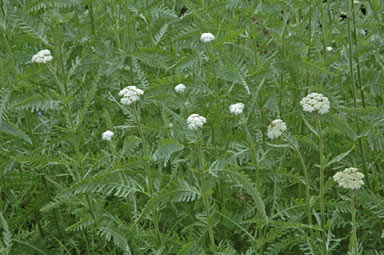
(64, 190)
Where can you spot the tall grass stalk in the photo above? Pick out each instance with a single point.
(148, 169)
(204, 193)
(354, 93)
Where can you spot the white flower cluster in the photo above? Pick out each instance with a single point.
(236, 108)
(180, 88)
(315, 102)
(207, 37)
(107, 135)
(42, 57)
(130, 94)
(329, 48)
(276, 128)
(195, 121)
(350, 178)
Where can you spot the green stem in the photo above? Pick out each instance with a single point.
(253, 33)
(61, 58)
(217, 100)
(359, 77)
(307, 194)
(309, 40)
(324, 31)
(254, 157)
(258, 184)
(360, 139)
(354, 222)
(321, 185)
(91, 17)
(204, 15)
(204, 193)
(148, 169)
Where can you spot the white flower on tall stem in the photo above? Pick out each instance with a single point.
(207, 37)
(130, 95)
(107, 135)
(315, 102)
(350, 178)
(180, 89)
(329, 48)
(42, 57)
(236, 108)
(195, 121)
(276, 128)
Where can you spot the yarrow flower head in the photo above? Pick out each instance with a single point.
(329, 48)
(180, 88)
(207, 37)
(107, 135)
(195, 121)
(350, 178)
(315, 102)
(236, 108)
(130, 95)
(276, 128)
(42, 57)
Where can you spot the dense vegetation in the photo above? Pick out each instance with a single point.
(158, 187)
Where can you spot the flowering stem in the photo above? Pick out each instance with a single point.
(217, 98)
(353, 222)
(307, 194)
(354, 91)
(204, 193)
(321, 184)
(254, 157)
(148, 169)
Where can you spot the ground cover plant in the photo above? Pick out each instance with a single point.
(191, 127)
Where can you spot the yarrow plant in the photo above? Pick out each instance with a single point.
(107, 135)
(329, 48)
(180, 88)
(276, 128)
(130, 95)
(319, 104)
(42, 57)
(315, 102)
(236, 108)
(195, 121)
(350, 178)
(207, 37)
